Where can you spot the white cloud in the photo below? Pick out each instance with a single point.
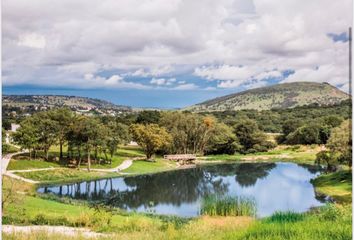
(163, 81)
(32, 40)
(325, 73)
(187, 86)
(57, 42)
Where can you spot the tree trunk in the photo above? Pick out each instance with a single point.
(61, 151)
(88, 161)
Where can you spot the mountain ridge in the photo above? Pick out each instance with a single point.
(59, 101)
(283, 95)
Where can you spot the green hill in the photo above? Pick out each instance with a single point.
(59, 101)
(286, 95)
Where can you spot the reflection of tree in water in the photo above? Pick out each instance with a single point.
(312, 168)
(247, 174)
(175, 187)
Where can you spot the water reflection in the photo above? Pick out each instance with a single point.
(275, 186)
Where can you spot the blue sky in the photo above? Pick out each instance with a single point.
(158, 53)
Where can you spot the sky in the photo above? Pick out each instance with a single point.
(171, 53)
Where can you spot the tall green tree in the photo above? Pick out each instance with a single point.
(62, 118)
(151, 137)
(250, 137)
(27, 136)
(340, 143)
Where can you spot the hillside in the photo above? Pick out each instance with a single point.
(50, 101)
(279, 96)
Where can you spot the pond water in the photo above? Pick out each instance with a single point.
(273, 186)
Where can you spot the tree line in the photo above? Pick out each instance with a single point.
(89, 138)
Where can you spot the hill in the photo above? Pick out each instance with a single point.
(52, 101)
(279, 96)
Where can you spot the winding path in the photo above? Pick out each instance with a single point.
(6, 160)
(124, 165)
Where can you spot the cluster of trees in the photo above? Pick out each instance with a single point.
(185, 132)
(89, 138)
(296, 131)
(84, 136)
(272, 121)
(338, 147)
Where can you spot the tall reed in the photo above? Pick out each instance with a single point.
(214, 205)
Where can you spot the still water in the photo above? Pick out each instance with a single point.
(274, 187)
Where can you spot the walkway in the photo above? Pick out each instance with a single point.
(6, 160)
(124, 165)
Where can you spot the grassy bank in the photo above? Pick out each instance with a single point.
(297, 153)
(338, 185)
(329, 223)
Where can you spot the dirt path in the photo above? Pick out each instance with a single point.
(68, 231)
(124, 165)
(12, 175)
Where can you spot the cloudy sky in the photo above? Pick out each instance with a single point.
(171, 53)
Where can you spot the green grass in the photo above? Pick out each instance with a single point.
(22, 162)
(8, 148)
(305, 154)
(142, 166)
(64, 175)
(228, 206)
(28, 164)
(338, 185)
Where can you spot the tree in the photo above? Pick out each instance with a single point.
(326, 158)
(222, 141)
(148, 117)
(118, 133)
(308, 134)
(85, 132)
(190, 132)
(62, 118)
(46, 129)
(150, 137)
(27, 136)
(340, 143)
(250, 137)
(290, 126)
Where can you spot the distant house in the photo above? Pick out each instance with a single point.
(14, 127)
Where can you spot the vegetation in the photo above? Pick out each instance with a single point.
(228, 206)
(339, 147)
(338, 185)
(150, 137)
(285, 95)
(288, 120)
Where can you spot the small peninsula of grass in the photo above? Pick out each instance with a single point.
(338, 185)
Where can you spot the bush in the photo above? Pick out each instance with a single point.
(228, 206)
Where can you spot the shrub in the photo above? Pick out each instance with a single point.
(228, 206)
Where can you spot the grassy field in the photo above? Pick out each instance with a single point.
(298, 154)
(337, 185)
(22, 162)
(65, 175)
(142, 167)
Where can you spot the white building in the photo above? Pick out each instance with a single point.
(14, 127)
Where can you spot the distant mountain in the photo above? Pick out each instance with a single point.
(286, 95)
(60, 101)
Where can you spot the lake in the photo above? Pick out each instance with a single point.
(273, 186)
